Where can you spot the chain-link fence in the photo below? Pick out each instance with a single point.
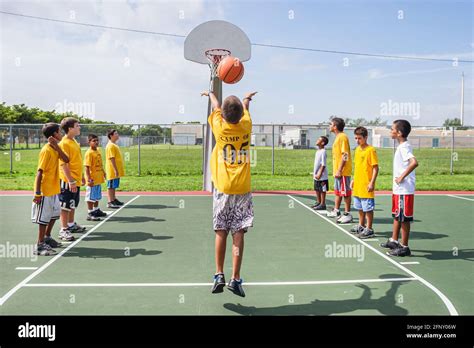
(176, 149)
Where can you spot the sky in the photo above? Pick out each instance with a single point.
(128, 77)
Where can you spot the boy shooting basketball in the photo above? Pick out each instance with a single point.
(230, 168)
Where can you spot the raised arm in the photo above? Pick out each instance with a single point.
(247, 100)
(214, 102)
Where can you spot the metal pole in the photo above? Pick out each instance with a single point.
(210, 142)
(273, 149)
(139, 151)
(11, 150)
(462, 99)
(452, 151)
(203, 147)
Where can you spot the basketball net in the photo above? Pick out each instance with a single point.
(214, 56)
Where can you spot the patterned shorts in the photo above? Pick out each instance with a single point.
(232, 213)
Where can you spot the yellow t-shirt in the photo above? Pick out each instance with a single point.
(113, 151)
(364, 160)
(93, 159)
(340, 145)
(48, 162)
(72, 149)
(230, 161)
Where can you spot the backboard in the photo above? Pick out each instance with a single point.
(216, 34)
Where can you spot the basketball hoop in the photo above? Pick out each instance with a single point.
(214, 56)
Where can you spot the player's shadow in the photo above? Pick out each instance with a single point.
(453, 254)
(124, 236)
(414, 235)
(151, 206)
(387, 220)
(135, 219)
(101, 253)
(385, 305)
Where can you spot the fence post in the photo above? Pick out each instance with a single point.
(273, 149)
(11, 150)
(452, 151)
(139, 151)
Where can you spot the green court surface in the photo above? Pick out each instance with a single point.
(155, 256)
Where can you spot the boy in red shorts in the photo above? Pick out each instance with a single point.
(404, 164)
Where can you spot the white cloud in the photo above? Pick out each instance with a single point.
(68, 62)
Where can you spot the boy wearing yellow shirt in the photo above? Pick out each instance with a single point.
(71, 178)
(95, 176)
(342, 169)
(115, 168)
(46, 207)
(366, 169)
(230, 169)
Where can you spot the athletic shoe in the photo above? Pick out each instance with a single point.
(76, 228)
(219, 283)
(315, 205)
(65, 234)
(345, 218)
(100, 213)
(357, 229)
(117, 202)
(44, 249)
(92, 217)
(320, 207)
(334, 213)
(390, 244)
(113, 205)
(51, 242)
(366, 233)
(400, 251)
(236, 287)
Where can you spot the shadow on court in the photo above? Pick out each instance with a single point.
(124, 236)
(386, 220)
(463, 254)
(135, 219)
(415, 235)
(386, 305)
(100, 253)
(151, 206)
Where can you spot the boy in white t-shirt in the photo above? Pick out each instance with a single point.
(320, 174)
(404, 164)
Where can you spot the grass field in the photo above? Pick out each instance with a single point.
(178, 168)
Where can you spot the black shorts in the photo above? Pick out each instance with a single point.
(321, 185)
(69, 200)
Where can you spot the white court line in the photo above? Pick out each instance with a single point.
(47, 264)
(26, 268)
(410, 263)
(371, 239)
(315, 282)
(452, 310)
(467, 199)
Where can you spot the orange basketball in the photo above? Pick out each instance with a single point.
(230, 70)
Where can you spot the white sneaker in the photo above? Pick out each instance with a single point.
(66, 235)
(334, 213)
(345, 219)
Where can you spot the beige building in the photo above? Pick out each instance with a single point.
(427, 138)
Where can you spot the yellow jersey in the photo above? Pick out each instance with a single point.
(341, 145)
(48, 162)
(364, 161)
(230, 161)
(72, 149)
(93, 159)
(113, 151)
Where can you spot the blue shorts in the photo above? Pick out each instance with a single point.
(113, 184)
(94, 193)
(364, 204)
